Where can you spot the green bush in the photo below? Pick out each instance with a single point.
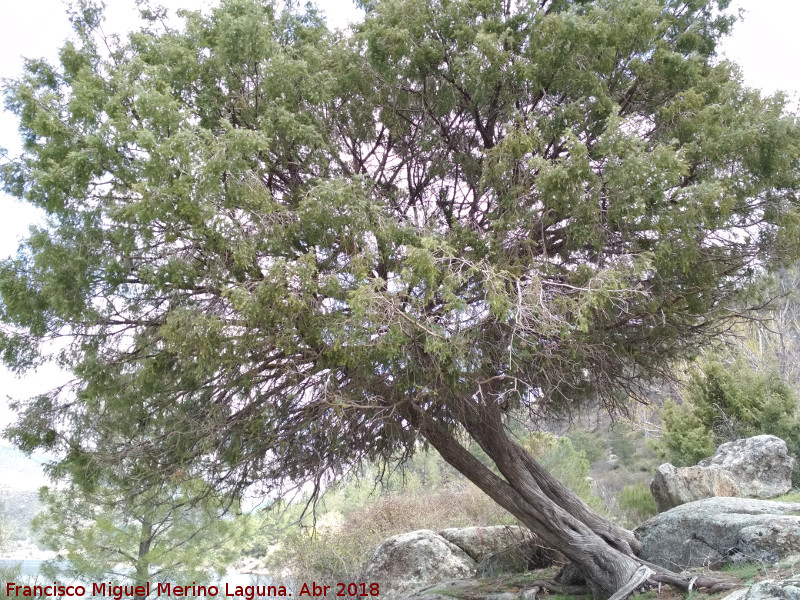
(686, 440)
(636, 503)
(569, 466)
(13, 572)
(623, 444)
(8, 573)
(727, 402)
(591, 443)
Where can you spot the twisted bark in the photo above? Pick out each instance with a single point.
(603, 552)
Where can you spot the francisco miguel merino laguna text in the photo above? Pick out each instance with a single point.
(118, 592)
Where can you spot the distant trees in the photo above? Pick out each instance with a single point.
(273, 252)
(774, 342)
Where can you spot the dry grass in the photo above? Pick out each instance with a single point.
(338, 553)
(408, 512)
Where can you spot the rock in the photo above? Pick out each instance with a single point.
(473, 589)
(673, 486)
(756, 467)
(423, 596)
(770, 589)
(761, 465)
(737, 595)
(524, 556)
(411, 560)
(479, 542)
(445, 590)
(715, 531)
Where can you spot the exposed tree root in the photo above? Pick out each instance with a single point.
(710, 585)
(647, 575)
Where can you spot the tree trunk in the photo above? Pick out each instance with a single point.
(142, 558)
(601, 550)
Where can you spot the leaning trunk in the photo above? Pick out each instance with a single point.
(601, 550)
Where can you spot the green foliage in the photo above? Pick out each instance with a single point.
(736, 400)
(793, 496)
(160, 531)
(13, 573)
(622, 444)
(232, 221)
(746, 572)
(636, 503)
(727, 402)
(5, 530)
(591, 443)
(631, 448)
(570, 467)
(686, 440)
(8, 573)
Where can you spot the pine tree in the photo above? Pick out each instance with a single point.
(136, 535)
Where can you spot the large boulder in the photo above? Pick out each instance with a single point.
(481, 541)
(769, 589)
(756, 467)
(761, 465)
(673, 486)
(716, 531)
(410, 560)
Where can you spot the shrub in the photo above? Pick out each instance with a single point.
(569, 466)
(623, 444)
(724, 403)
(636, 503)
(591, 443)
(337, 554)
(686, 439)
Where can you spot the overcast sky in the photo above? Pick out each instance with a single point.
(765, 44)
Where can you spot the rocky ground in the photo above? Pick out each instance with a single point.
(751, 542)
(755, 581)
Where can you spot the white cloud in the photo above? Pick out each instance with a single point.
(766, 44)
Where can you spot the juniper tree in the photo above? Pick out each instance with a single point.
(284, 250)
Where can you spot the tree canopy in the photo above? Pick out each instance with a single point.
(273, 250)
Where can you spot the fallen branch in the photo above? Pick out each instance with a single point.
(711, 585)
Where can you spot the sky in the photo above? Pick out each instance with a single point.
(765, 44)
